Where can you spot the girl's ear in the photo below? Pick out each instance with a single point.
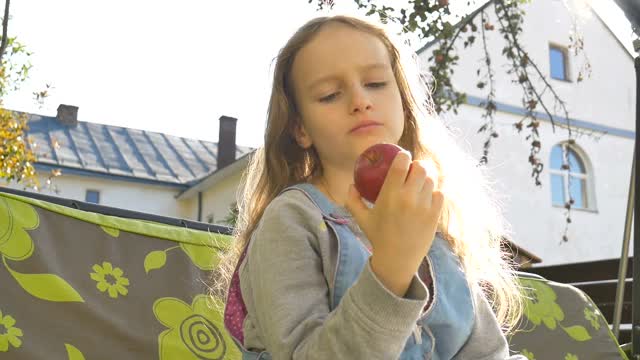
(301, 135)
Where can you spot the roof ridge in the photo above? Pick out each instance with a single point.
(54, 119)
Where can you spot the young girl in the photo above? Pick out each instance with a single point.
(319, 274)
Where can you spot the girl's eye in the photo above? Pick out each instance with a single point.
(377, 84)
(329, 97)
(373, 85)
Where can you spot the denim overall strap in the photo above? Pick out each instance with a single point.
(237, 311)
(451, 317)
(449, 320)
(352, 254)
(445, 327)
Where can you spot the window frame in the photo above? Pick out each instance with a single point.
(587, 177)
(86, 196)
(565, 61)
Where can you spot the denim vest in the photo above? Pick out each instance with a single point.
(447, 323)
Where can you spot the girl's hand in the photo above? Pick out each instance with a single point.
(402, 224)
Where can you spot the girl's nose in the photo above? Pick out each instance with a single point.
(360, 100)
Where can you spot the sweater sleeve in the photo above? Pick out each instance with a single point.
(290, 296)
(487, 341)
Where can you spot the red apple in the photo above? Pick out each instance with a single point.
(371, 169)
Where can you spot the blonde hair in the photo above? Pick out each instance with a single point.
(471, 220)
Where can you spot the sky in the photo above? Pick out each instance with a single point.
(157, 66)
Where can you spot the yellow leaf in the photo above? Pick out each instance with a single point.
(73, 352)
(48, 287)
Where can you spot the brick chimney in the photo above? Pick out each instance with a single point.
(67, 115)
(226, 141)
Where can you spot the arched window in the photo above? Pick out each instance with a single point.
(575, 182)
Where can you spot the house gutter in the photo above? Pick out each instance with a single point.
(199, 205)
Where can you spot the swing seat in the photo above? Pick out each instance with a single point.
(79, 282)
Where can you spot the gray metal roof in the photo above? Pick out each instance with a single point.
(124, 152)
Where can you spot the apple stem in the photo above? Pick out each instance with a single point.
(372, 157)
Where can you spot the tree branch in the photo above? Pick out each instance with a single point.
(490, 105)
(5, 26)
(464, 22)
(516, 44)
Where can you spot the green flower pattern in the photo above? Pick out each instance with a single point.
(570, 356)
(9, 334)
(15, 219)
(204, 257)
(73, 353)
(194, 331)
(541, 307)
(541, 304)
(110, 279)
(592, 316)
(528, 354)
(16, 244)
(111, 231)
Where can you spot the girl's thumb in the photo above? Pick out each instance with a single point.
(355, 205)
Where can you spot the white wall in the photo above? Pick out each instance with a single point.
(217, 199)
(144, 197)
(607, 98)
(117, 193)
(538, 225)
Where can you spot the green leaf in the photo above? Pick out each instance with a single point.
(171, 311)
(111, 231)
(73, 352)
(577, 332)
(203, 256)
(46, 286)
(154, 260)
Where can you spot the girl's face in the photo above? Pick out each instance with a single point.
(346, 95)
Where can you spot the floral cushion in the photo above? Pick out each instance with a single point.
(561, 322)
(80, 285)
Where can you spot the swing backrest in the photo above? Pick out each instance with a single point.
(561, 322)
(83, 285)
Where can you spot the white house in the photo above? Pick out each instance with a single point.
(602, 106)
(129, 168)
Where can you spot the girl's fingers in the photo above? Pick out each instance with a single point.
(356, 207)
(416, 178)
(437, 202)
(397, 174)
(426, 193)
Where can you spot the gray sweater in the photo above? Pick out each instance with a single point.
(285, 281)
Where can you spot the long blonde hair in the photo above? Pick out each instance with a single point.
(471, 220)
